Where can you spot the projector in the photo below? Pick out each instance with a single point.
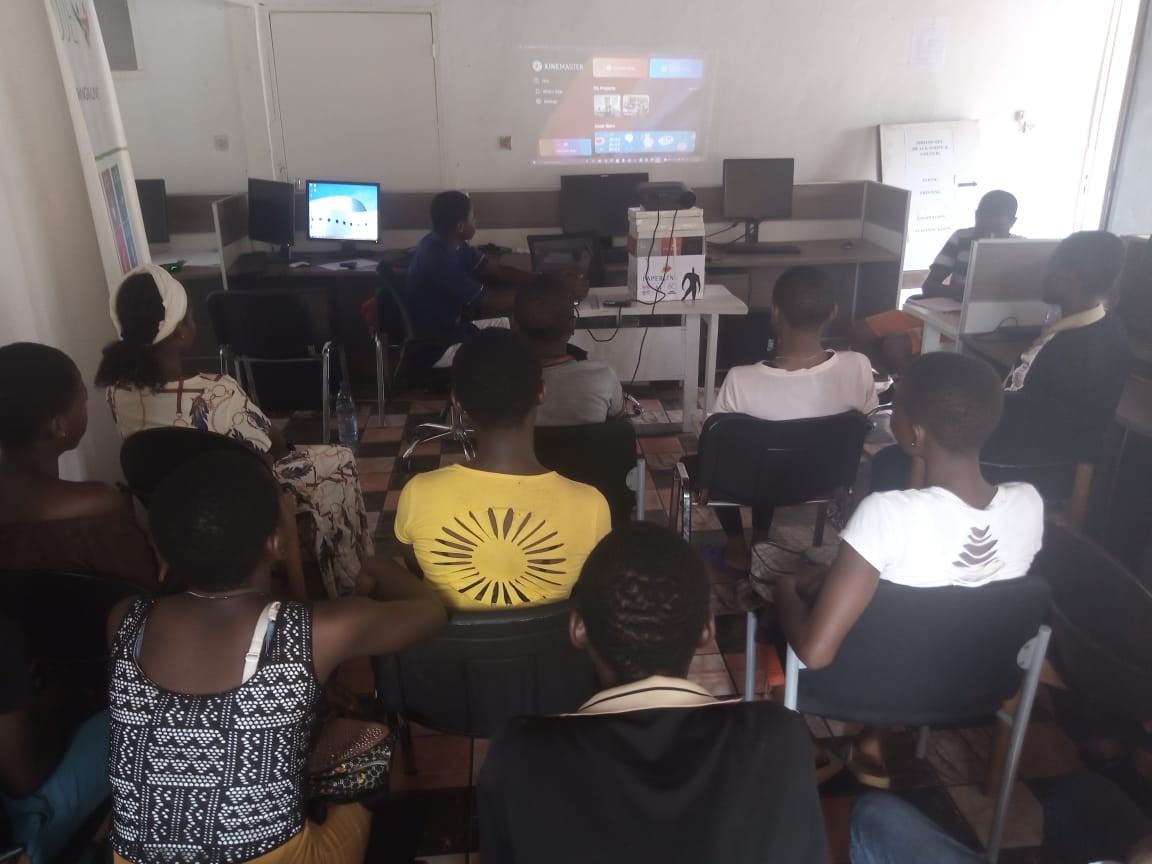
(665, 196)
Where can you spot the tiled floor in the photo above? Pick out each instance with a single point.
(432, 814)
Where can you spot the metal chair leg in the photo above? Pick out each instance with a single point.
(381, 377)
(326, 391)
(750, 656)
(922, 742)
(821, 521)
(791, 680)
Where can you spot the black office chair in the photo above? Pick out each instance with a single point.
(602, 455)
(745, 461)
(262, 330)
(148, 456)
(931, 656)
(558, 252)
(484, 669)
(1100, 614)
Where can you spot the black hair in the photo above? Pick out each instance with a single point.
(1095, 258)
(37, 383)
(805, 296)
(496, 377)
(211, 517)
(544, 309)
(448, 210)
(998, 203)
(644, 596)
(956, 397)
(131, 361)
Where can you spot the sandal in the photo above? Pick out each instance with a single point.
(867, 770)
(828, 764)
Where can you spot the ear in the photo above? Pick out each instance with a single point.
(274, 546)
(708, 633)
(919, 437)
(162, 573)
(577, 632)
(57, 428)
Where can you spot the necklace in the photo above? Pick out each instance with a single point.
(224, 595)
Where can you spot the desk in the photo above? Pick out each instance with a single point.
(937, 324)
(717, 301)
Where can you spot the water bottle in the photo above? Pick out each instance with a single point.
(346, 429)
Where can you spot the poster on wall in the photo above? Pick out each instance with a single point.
(99, 135)
(937, 163)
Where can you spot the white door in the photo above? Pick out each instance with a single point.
(356, 93)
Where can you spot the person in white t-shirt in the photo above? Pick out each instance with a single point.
(957, 530)
(802, 380)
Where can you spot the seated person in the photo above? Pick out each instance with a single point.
(53, 775)
(46, 522)
(802, 380)
(1063, 392)
(654, 768)
(147, 389)
(890, 338)
(958, 530)
(447, 276)
(218, 773)
(1086, 819)
(502, 530)
(575, 391)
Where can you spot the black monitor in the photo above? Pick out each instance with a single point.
(272, 212)
(348, 212)
(756, 189)
(598, 202)
(153, 197)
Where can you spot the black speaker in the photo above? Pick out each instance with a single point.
(665, 196)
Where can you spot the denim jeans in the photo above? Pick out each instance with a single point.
(888, 830)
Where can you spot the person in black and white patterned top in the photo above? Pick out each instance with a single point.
(210, 723)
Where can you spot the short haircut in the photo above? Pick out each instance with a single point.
(644, 596)
(496, 377)
(956, 397)
(1095, 258)
(448, 210)
(805, 297)
(211, 517)
(37, 383)
(544, 309)
(998, 203)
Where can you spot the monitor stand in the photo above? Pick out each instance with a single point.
(347, 249)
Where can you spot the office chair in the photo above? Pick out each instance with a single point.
(559, 252)
(602, 455)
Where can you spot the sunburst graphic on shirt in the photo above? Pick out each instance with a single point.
(979, 551)
(499, 557)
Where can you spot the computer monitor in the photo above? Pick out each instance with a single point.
(153, 198)
(598, 202)
(756, 189)
(348, 212)
(272, 212)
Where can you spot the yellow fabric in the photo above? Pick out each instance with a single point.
(487, 540)
(342, 839)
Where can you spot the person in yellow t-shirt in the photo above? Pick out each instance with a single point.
(503, 530)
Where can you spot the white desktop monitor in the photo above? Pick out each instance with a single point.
(1005, 285)
(348, 212)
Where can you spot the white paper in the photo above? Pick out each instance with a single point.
(929, 43)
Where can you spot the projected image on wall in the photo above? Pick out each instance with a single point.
(629, 109)
(343, 211)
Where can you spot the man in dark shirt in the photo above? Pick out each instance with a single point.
(652, 768)
(447, 276)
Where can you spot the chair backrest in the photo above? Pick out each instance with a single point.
(64, 614)
(262, 324)
(925, 656)
(392, 316)
(486, 668)
(578, 251)
(781, 463)
(1100, 614)
(148, 456)
(599, 454)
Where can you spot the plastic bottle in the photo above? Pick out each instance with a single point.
(346, 429)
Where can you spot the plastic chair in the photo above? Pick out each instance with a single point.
(577, 251)
(484, 669)
(602, 455)
(259, 328)
(148, 456)
(745, 461)
(930, 656)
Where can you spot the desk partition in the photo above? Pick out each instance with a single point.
(230, 221)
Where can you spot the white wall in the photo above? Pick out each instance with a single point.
(52, 284)
(808, 78)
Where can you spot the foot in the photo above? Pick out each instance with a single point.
(867, 760)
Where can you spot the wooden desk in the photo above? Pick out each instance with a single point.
(814, 253)
(938, 324)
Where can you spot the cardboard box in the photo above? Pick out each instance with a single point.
(665, 254)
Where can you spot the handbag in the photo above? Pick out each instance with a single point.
(351, 760)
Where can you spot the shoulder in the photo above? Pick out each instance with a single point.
(88, 499)
(1023, 496)
(574, 489)
(746, 373)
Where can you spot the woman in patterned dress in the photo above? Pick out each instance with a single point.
(147, 388)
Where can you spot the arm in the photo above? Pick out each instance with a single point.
(406, 610)
(816, 634)
(941, 269)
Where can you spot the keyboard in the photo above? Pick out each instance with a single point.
(759, 249)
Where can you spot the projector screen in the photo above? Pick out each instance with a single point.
(615, 108)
